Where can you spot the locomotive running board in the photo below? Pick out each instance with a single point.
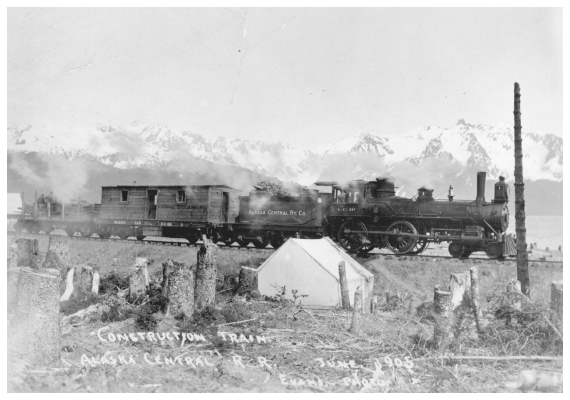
(435, 237)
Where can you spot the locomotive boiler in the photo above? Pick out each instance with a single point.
(367, 214)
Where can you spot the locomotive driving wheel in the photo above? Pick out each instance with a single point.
(350, 240)
(402, 239)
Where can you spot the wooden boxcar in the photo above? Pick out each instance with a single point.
(175, 211)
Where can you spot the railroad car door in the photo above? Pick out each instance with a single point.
(225, 206)
(152, 196)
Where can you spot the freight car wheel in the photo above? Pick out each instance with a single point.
(261, 244)
(276, 243)
(350, 240)
(398, 243)
(242, 243)
(456, 249)
(70, 232)
(420, 246)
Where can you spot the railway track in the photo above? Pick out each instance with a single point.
(253, 249)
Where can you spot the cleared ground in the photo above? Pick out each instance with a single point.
(307, 351)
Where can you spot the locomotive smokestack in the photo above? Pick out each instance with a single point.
(481, 177)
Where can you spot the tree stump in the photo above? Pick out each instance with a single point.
(230, 282)
(460, 288)
(178, 288)
(514, 293)
(35, 331)
(141, 262)
(68, 285)
(356, 312)
(58, 258)
(137, 283)
(85, 278)
(13, 256)
(345, 297)
(556, 293)
(247, 281)
(206, 272)
(443, 315)
(28, 253)
(374, 305)
(480, 323)
(13, 276)
(96, 280)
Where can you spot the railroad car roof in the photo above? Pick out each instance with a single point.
(170, 186)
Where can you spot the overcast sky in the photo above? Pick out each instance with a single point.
(303, 76)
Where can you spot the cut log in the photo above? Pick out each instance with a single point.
(96, 280)
(206, 272)
(556, 294)
(28, 253)
(68, 285)
(85, 273)
(460, 288)
(36, 329)
(137, 283)
(443, 314)
(247, 281)
(345, 297)
(178, 288)
(58, 257)
(356, 312)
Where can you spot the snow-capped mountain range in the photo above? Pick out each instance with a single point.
(464, 147)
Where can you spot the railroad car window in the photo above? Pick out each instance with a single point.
(181, 196)
(124, 195)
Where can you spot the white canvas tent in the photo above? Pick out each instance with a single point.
(310, 266)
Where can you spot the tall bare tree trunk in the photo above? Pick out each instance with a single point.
(28, 253)
(36, 321)
(522, 255)
(206, 272)
(345, 297)
(178, 287)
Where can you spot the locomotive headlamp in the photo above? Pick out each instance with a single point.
(319, 200)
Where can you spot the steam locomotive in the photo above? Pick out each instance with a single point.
(359, 215)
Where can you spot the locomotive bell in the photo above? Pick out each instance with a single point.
(501, 191)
